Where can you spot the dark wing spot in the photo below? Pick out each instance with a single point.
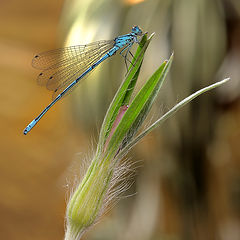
(51, 77)
(40, 74)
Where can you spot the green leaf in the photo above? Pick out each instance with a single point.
(160, 75)
(132, 84)
(139, 108)
(123, 94)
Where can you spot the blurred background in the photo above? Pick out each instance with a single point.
(189, 184)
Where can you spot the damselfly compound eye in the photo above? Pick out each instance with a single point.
(137, 30)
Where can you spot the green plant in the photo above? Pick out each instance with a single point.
(105, 178)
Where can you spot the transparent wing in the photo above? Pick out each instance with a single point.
(61, 56)
(62, 66)
(64, 85)
(70, 74)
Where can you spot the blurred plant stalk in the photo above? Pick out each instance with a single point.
(107, 176)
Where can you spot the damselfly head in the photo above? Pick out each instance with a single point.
(137, 30)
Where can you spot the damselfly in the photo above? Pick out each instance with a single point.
(63, 68)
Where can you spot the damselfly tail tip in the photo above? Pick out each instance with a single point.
(25, 131)
(29, 127)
